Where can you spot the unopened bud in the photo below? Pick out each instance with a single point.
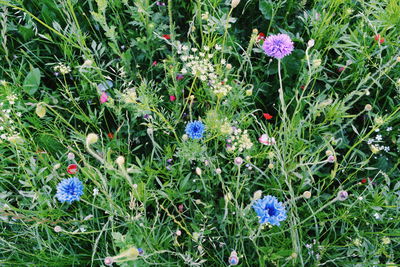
(368, 107)
(91, 139)
(310, 43)
(257, 195)
(307, 194)
(235, 3)
(198, 171)
(342, 195)
(120, 160)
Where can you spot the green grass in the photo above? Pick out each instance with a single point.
(340, 97)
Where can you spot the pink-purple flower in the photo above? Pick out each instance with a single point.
(278, 46)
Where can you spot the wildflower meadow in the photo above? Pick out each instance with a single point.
(200, 133)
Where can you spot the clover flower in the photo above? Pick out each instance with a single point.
(195, 129)
(270, 210)
(278, 46)
(69, 190)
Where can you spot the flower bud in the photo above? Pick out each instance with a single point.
(233, 259)
(198, 171)
(108, 261)
(57, 166)
(120, 161)
(70, 156)
(328, 153)
(235, 3)
(331, 159)
(178, 233)
(310, 43)
(270, 166)
(185, 137)
(57, 229)
(368, 107)
(257, 195)
(218, 171)
(228, 66)
(307, 194)
(238, 161)
(91, 139)
(342, 195)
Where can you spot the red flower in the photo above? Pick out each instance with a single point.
(341, 69)
(267, 116)
(172, 98)
(72, 168)
(378, 38)
(261, 36)
(363, 181)
(302, 87)
(110, 135)
(166, 36)
(154, 63)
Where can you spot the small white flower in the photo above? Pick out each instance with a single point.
(95, 192)
(378, 137)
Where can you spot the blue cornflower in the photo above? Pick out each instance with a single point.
(195, 129)
(69, 190)
(270, 210)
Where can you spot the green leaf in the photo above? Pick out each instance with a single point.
(266, 9)
(32, 81)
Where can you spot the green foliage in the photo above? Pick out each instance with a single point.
(189, 202)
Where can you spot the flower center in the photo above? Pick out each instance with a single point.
(271, 210)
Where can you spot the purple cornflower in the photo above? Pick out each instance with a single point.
(278, 46)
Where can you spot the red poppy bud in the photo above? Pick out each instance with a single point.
(72, 169)
(154, 63)
(267, 116)
(110, 135)
(363, 181)
(172, 98)
(166, 36)
(261, 36)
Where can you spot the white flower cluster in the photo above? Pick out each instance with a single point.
(375, 143)
(199, 65)
(8, 130)
(129, 96)
(239, 140)
(63, 69)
